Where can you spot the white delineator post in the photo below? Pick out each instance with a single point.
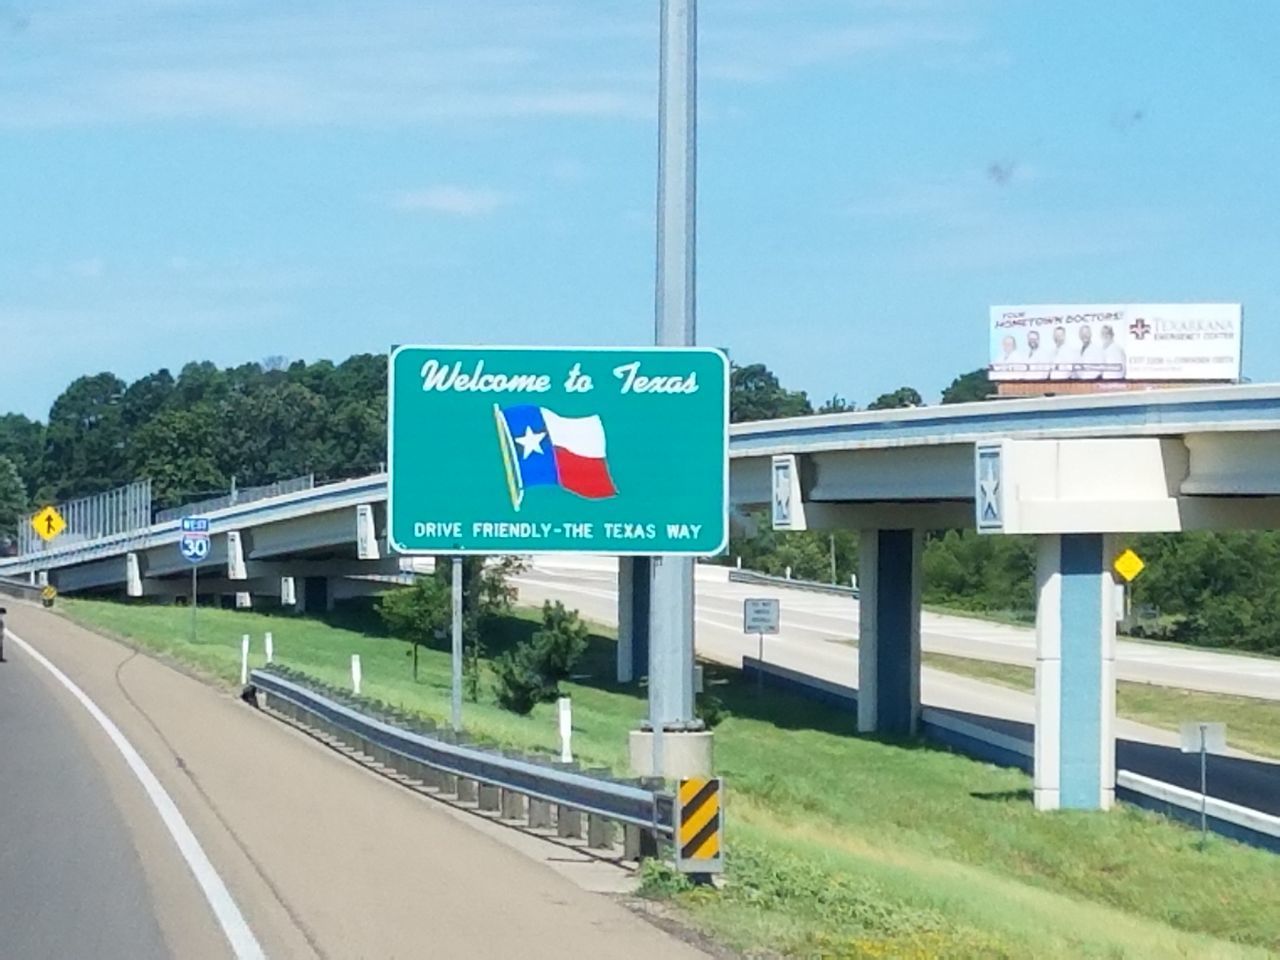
(269, 645)
(566, 729)
(355, 674)
(244, 659)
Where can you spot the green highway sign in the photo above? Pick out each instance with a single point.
(541, 450)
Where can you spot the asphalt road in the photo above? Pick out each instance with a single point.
(71, 882)
(322, 858)
(816, 639)
(836, 618)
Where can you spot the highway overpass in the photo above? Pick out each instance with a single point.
(1078, 472)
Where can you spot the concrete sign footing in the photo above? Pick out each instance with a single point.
(684, 754)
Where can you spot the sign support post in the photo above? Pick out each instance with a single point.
(194, 547)
(1204, 788)
(1204, 738)
(671, 653)
(455, 713)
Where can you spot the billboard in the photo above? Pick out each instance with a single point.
(1116, 342)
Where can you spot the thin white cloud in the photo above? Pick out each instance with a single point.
(774, 44)
(103, 62)
(90, 268)
(569, 170)
(451, 200)
(325, 63)
(970, 223)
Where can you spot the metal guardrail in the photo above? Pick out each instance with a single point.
(20, 589)
(618, 802)
(243, 495)
(767, 579)
(60, 553)
(109, 514)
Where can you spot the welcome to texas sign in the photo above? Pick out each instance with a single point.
(537, 450)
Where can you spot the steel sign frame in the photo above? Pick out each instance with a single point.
(599, 547)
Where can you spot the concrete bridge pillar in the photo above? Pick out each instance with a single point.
(889, 632)
(1075, 753)
(633, 618)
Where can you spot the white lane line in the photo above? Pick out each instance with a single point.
(244, 944)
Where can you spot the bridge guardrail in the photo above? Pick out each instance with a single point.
(628, 804)
(286, 506)
(244, 495)
(20, 589)
(767, 579)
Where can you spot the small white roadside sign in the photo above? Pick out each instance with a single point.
(761, 616)
(1209, 737)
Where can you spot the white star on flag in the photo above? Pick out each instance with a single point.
(531, 442)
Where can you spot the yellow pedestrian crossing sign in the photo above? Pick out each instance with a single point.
(48, 523)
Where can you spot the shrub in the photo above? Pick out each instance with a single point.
(531, 672)
(418, 612)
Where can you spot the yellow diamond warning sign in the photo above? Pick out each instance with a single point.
(1129, 565)
(48, 523)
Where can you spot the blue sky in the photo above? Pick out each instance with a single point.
(230, 180)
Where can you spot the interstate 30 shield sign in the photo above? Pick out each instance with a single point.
(584, 450)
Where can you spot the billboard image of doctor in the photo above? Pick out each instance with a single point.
(1112, 354)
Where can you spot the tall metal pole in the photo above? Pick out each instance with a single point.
(671, 703)
(456, 711)
(193, 602)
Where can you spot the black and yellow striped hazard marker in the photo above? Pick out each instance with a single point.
(699, 843)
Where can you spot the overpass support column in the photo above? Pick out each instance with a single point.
(633, 618)
(889, 632)
(1075, 755)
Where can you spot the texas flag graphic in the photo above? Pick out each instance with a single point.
(540, 448)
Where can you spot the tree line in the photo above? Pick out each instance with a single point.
(261, 422)
(193, 433)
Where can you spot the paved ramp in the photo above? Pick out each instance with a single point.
(324, 859)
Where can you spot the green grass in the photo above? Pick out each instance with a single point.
(1010, 618)
(1252, 724)
(840, 846)
(1012, 675)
